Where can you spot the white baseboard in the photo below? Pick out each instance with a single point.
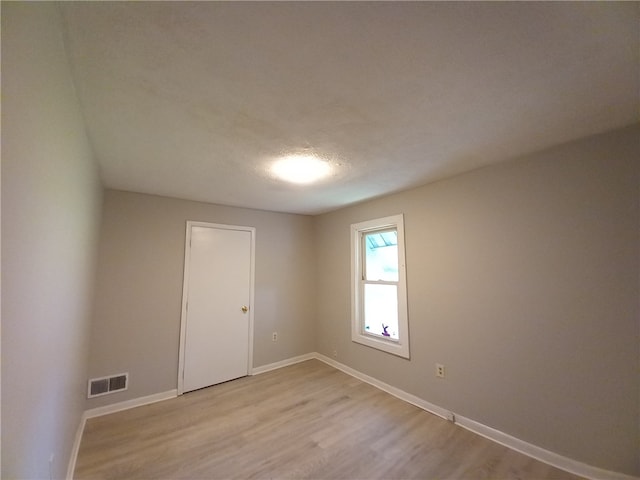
(283, 363)
(396, 392)
(116, 407)
(541, 454)
(127, 404)
(76, 447)
(533, 451)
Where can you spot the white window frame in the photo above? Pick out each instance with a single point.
(398, 347)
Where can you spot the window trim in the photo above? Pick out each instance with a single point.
(398, 347)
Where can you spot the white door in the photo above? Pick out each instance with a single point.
(216, 327)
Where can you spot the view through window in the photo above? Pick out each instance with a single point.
(381, 283)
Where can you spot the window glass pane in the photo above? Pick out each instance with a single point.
(381, 256)
(381, 310)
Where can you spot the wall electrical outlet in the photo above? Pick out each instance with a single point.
(274, 337)
(439, 370)
(335, 354)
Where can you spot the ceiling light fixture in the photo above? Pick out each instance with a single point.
(301, 169)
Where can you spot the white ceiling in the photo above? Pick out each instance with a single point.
(194, 100)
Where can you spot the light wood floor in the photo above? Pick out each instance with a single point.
(304, 421)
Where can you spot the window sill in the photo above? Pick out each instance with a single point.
(393, 347)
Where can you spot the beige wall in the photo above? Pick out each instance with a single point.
(523, 281)
(139, 292)
(51, 199)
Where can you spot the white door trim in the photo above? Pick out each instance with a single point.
(185, 289)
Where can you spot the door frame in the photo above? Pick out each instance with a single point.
(185, 292)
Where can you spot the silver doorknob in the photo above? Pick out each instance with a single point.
(244, 309)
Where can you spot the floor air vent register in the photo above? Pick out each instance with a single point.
(105, 385)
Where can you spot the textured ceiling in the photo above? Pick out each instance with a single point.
(195, 99)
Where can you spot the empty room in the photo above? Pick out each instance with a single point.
(329, 240)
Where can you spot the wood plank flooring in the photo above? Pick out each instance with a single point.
(307, 420)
